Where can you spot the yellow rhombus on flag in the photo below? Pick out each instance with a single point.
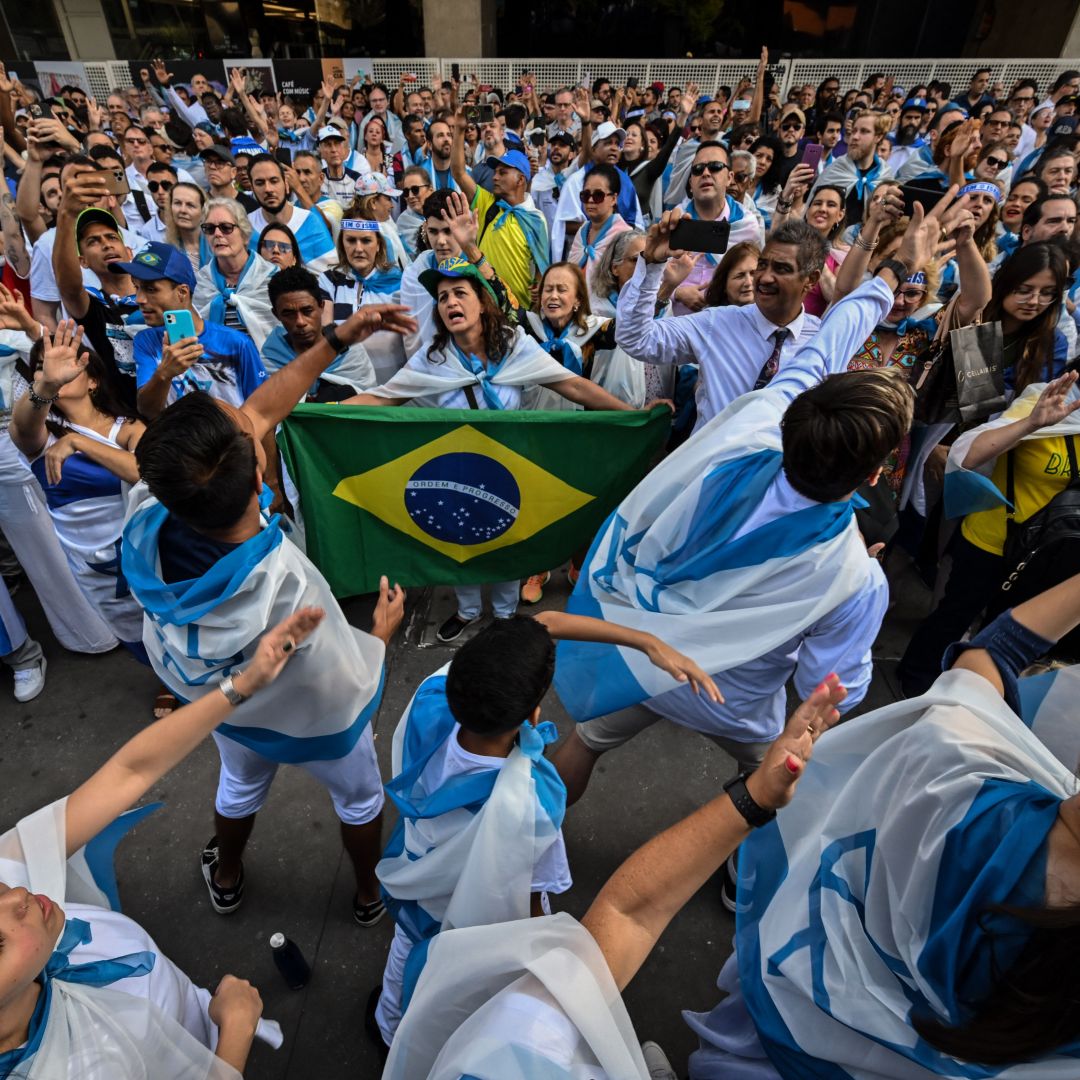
(463, 494)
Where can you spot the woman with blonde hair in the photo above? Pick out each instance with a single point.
(183, 216)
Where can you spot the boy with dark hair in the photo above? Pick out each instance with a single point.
(481, 807)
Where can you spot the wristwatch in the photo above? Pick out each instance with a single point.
(232, 695)
(330, 333)
(897, 267)
(755, 815)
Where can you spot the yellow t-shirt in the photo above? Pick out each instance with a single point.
(1040, 471)
(506, 248)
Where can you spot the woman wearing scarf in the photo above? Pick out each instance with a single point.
(86, 994)
(479, 360)
(599, 197)
(909, 918)
(365, 275)
(376, 198)
(231, 288)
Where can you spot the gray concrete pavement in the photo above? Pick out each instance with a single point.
(298, 879)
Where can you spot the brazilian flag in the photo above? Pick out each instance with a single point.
(458, 496)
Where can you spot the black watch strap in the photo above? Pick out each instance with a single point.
(330, 333)
(755, 815)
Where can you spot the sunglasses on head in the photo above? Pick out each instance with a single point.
(226, 228)
(594, 195)
(414, 189)
(712, 166)
(160, 185)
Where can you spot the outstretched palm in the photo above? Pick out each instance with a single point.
(62, 362)
(1054, 404)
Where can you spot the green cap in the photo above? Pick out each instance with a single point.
(455, 267)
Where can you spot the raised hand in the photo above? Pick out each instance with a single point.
(772, 784)
(366, 320)
(581, 102)
(13, 313)
(236, 79)
(389, 610)
(924, 233)
(681, 667)
(62, 361)
(176, 359)
(798, 183)
(1053, 406)
(887, 204)
(679, 269)
(276, 647)
(6, 85)
(161, 72)
(658, 238)
(464, 226)
(689, 98)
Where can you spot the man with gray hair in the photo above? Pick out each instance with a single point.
(737, 349)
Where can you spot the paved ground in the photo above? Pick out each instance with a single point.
(298, 881)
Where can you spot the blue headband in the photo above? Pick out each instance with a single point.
(359, 225)
(918, 278)
(983, 187)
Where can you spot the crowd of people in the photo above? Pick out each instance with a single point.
(859, 306)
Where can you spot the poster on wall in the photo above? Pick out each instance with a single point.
(357, 65)
(299, 79)
(258, 75)
(53, 74)
(183, 71)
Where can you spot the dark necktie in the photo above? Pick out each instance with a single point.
(773, 363)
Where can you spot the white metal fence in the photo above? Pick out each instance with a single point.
(99, 77)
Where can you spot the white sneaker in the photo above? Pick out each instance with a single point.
(30, 683)
(656, 1061)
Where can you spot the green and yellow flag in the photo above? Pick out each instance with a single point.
(458, 496)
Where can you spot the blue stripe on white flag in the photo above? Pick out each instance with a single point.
(968, 492)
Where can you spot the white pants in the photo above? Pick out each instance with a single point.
(25, 521)
(102, 582)
(388, 1012)
(504, 599)
(353, 781)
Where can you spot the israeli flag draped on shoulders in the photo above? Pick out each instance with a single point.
(198, 631)
(667, 562)
(350, 368)
(249, 297)
(528, 1000)
(970, 490)
(867, 900)
(462, 853)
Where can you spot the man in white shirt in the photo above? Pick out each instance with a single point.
(732, 346)
(139, 208)
(548, 180)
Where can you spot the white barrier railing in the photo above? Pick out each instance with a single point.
(99, 77)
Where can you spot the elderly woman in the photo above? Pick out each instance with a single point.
(479, 360)
(231, 288)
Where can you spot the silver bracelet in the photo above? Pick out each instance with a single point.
(866, 245)
(232, 695)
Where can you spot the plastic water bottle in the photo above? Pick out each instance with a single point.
(290, 962)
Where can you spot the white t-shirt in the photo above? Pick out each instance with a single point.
(552, 870)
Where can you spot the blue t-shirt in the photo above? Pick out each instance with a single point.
(186, 554)
(230, 367)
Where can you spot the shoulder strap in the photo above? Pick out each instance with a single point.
(470, 394)
(141, 204)
(1070, 449)
(1010, 488)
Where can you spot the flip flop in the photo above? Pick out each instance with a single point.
(164, 703)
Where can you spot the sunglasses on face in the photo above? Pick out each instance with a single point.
(136, 142)
(160, 185)
(282, 246)
(594, 195)
(997, 163)
(414, 189)
(794, 126)
(226, 228)
(740, 177)
(713, 167)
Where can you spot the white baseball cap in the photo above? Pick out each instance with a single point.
(606, 130)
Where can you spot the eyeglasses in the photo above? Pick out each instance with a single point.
(282, 246)
(793, 125)
(712, 166)
(1023, 100)
(226, 228)
(996, 162)
(160, 185)
(595, 195)
(415, 189)
(136, 141)
(911, 295)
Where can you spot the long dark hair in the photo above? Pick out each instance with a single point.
(1032, 1011)
(770, 179)
(1036, 361)
(275, 226)
(104, 396)
(716, 293)
(498, 332)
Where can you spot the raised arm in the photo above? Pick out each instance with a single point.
(268, 405)
(80, 191)
(191, 114)
(457, 157)
(255, 113)
(758, 100)
(639, 900)
(18, 258)
(974, 275)
(148, 756)
(28, 193)
(886, 205)
(63, 361)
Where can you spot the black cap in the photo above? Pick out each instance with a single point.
(563, 137)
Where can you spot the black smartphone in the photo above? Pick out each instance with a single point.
(538, 137)
(455, 72)
(632, 82)
(709, 236)
(928, 195)
(283, 155)
(479, 114)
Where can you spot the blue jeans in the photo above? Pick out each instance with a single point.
(504, 599)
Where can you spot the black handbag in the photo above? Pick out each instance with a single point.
(960, 378)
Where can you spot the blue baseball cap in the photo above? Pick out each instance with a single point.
(158, 262)
(915, 103)
(512, 159)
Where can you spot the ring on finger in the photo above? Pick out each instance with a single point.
(810, 729)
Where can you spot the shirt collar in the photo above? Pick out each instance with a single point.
(765, 328)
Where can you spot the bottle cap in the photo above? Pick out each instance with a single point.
(277, 941)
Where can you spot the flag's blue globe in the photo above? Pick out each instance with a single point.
(463, 498)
